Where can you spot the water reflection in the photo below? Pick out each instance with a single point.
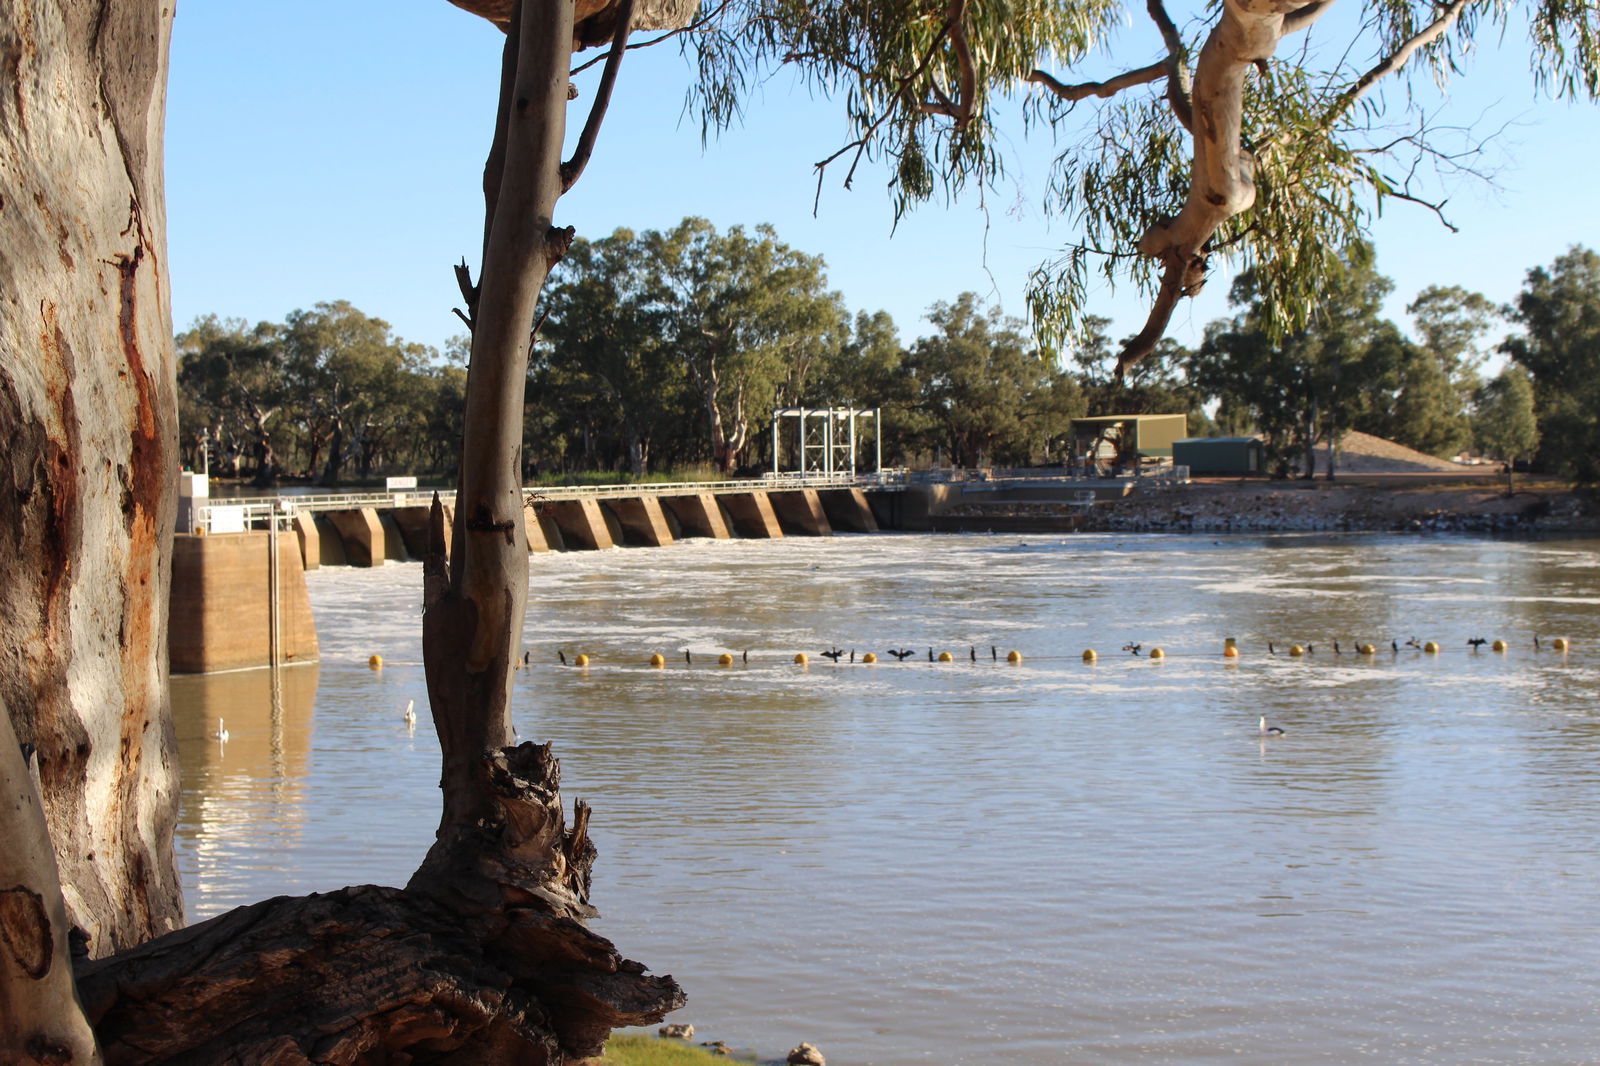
(243, 797)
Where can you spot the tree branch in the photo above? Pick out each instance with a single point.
(1295, 21)
(690, 28)
(1179, 82)
(1103, 89)
(961, 109)
(1447, 17)
(572, 169)
(494, 166)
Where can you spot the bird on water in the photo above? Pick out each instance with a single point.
(1269, 730)
(221, 732)
(902, 655)
(410, 714)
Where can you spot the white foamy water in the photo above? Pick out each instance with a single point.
(975, 862)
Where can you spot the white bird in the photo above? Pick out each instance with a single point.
(410, 715)
(221, 732)
(1269, 731)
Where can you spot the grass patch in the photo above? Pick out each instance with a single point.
(632, 1049)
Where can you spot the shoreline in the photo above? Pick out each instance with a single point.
(1358, 503)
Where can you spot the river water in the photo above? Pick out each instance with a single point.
(979, 862)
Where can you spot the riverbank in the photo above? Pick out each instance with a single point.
(1360, 503)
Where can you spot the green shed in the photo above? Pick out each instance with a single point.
(1220, 455)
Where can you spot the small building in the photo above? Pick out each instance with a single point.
(1220, 455)
(1126, 439)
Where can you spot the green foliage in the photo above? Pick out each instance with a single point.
(990, 396)
(657, 333)
(1504, 420)
(326, 389)
(1311, 385)
(1559, 312)
(1333, 136)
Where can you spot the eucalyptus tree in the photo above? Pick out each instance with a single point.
(604, 321)
(1504, 420)
(232, 388)
(1558, 311)
(748, 317)
(991, 396)
(355, 383)
(1185, 136)
(1315, 383)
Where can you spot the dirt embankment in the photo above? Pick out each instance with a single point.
(1380, 485)
(1358, 503)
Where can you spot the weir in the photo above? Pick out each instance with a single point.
(222, 592)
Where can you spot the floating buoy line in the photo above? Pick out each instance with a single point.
(1230, 653)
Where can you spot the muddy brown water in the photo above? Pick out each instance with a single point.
(976, 862)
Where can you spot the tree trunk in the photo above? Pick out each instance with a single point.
(38, 1000)
(484, 957)
(88, 411)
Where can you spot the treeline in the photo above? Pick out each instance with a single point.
(666, 351)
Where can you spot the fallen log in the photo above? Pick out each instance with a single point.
(482, 965)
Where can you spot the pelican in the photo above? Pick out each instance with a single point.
(221, 732)
(1269, 730)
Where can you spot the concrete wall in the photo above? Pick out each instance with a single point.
(362, 534)
(310, 541)
(220, 603)
(582, 524)
(697, 515)
(800, 512)
(848, 510)
(750, 514)
(642, 521)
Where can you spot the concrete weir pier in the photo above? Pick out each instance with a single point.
(228, 613)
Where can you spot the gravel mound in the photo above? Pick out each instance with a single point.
(1362, 453)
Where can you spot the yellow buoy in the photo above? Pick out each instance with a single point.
(946, 657)
(1231, 651)
(375, 661)
(1432, 647)
(1089, 655)
(724, 659)
(1295, 651)
(1013, 656)
(869, 658)
(581, 660)
(1559, 644)
(1498, 645)
(1367, 649)
(801, 657)
(1157, 653)
(658, 659)
(1230, 642)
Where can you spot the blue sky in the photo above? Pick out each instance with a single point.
(332, 149)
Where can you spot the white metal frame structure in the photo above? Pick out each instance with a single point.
(825, 440)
